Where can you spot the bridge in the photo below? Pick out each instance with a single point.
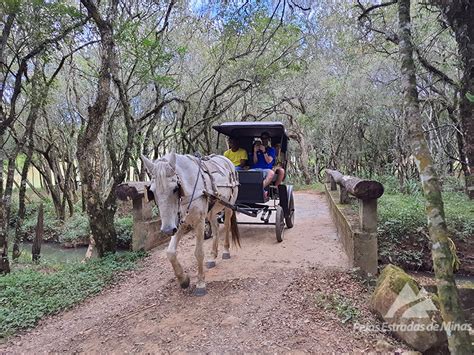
(357, 231)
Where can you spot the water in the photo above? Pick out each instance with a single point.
(54, 252)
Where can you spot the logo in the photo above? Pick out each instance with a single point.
(419, 304)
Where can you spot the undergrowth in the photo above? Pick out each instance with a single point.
(74, 230)
(340, 305)
(403, 235)
(30, 293)
(314, 186)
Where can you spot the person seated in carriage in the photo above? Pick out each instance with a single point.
(263, 158)
(237, 155)
(278, 166)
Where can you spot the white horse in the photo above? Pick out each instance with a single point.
(181, 185)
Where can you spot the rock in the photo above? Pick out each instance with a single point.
(230, 321)
(409, 312)
(383, 346)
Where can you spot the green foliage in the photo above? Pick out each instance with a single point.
(28, 295)
(341, 305)
(124, 229)
(402, 234)
(182, 50)
(52, 226)
(316, 187)
(470, 96)
(75, 227)
(146, 51)
(11, 6)
(391, 184)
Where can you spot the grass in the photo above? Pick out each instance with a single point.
(402, 231)
(35, 291)
(402, 227)
(314, 186)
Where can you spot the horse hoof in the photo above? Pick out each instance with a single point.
(200, 291)
(210, 264)
(185, 282)
(225, 256)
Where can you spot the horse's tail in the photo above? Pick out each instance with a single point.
(234, 228)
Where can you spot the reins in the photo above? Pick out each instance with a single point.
(191, 200)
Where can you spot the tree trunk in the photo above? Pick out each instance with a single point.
(102, 227)
(4, 263)
(90, 250)
(460, 143)
(460, 17)
(304, 159)
(21, 206)
(459, 342)
(101, 220)
(27, 139)
(36, 248)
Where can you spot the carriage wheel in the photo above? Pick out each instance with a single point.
(207, 230)
(290, 219)
(279, 223)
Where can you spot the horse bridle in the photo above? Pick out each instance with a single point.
(179, 189)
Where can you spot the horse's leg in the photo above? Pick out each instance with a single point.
(183, 279)
(212, 218)
(227, 221)
(199, 253)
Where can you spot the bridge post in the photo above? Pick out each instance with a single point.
(368, 215)
(359, 239)
(366, 249)
(343, 195)
(146, 230)
(331, 180)
(141, 213)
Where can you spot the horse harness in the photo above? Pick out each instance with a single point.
(206, 166)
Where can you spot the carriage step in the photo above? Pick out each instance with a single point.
(252, 212)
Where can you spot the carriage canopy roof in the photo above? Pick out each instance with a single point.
(251, 129)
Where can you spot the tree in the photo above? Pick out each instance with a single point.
(459, 341)
(460, 17)
(38, 27)
(101, 218)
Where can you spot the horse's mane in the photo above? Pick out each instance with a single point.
(161, 174)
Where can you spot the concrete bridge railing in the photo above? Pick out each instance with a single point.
(358, 232)
(146, 229)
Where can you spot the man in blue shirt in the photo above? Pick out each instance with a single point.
(263, 158)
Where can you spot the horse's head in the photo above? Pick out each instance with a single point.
(166, 188)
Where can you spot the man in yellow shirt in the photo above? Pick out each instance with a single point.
(235, 154)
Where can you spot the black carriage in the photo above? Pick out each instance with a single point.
(252, 199)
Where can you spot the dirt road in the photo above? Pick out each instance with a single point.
(262, 299)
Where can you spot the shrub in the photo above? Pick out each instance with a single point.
(124, 229)
(51, 225)
(403, 235)
(75, 228)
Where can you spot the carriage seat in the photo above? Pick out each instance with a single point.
(250, 189)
